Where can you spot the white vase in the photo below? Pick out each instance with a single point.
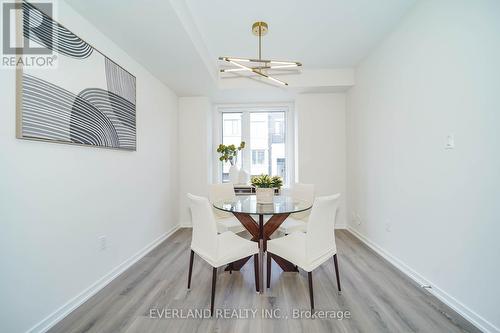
(244, 177)
(234, 174)
(264, 195)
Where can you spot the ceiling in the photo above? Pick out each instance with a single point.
(318, 33)
(179, 40)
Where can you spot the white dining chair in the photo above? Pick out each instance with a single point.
(311, 249)
(298, 221)
(225, 221)
(216, 249)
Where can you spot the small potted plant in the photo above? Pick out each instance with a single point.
(264, 187)
(229, 154)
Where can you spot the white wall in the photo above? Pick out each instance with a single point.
(434, 210)
(56, 199)
(195, 151)
(320, 145)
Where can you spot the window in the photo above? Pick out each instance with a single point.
(277, 128)
(281, 167)
(267, 148)
(263, 141)
(231, 135)
(258, 156)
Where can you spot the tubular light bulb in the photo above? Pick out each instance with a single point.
(276, 80)
(238, 59)
(283, 66)
(233, 69)
(240, 66)
(283, 62)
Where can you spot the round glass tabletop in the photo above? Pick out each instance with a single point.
(247, 204)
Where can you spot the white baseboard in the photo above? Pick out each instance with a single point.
(446, 298)
(71, 305)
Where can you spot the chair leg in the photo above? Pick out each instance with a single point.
(311, 296)
(337, 271)
(268, 270)
(190, 269)
(214, 280)
(256, 271)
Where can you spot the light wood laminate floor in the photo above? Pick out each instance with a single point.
(378, 296)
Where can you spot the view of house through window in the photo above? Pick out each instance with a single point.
(265, 137)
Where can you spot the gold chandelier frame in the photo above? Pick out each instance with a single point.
(259, 29)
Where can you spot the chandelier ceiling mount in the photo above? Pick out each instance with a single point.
(259, 66)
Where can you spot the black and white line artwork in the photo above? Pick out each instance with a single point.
(88, 99)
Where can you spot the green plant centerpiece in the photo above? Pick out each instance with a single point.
(229, 153)
(264, 187)
(266, 181)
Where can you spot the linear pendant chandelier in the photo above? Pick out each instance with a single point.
(259, 66)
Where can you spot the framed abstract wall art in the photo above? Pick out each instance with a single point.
(85, 99)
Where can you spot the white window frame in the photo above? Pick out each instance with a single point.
(246, 109)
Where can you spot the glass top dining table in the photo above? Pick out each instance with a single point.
(247, 204)
(244, 206)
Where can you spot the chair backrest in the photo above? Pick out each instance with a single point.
(303, 192)
(218, 192)
(204, 226)
(320, 237)
(221, 192)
